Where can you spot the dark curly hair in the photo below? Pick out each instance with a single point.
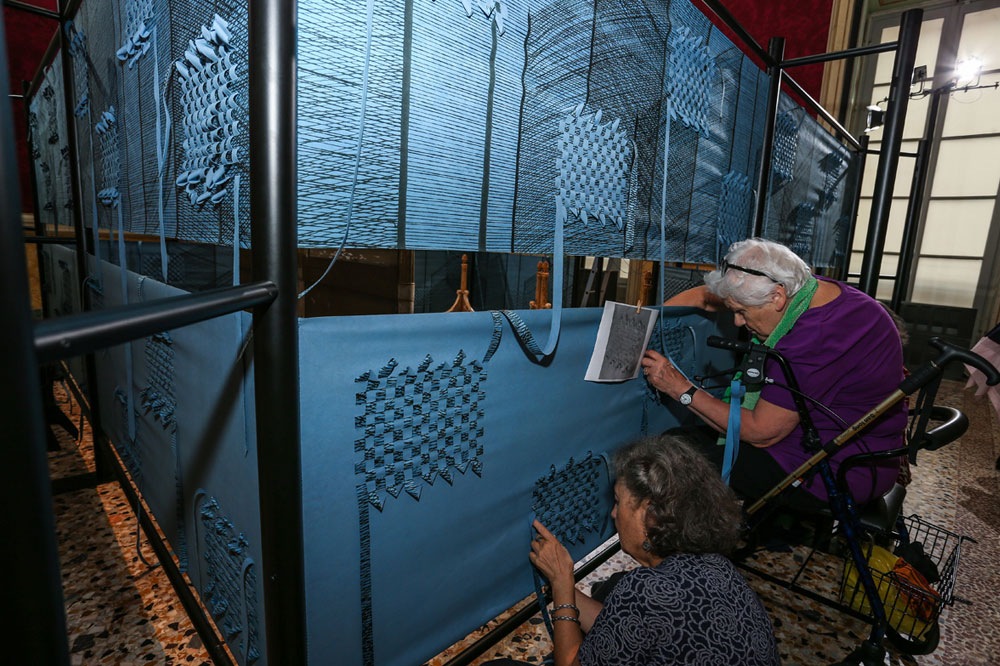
(690, 509)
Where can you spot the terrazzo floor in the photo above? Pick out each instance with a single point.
(122, 611)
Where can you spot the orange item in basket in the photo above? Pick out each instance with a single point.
(921, 605)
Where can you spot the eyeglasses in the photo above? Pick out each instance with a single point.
(751, 271)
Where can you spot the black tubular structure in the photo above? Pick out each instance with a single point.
(73, 335)
(888, 159)
(838, 55)
(76, 189)
(50, 240)
(34, 582)
(31, 9)
(858, 177)
(915, 203)
(776, 51)
(274, 237)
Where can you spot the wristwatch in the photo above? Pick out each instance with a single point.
(686, 397)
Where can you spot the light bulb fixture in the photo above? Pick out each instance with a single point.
(876, 118)
(967, 72)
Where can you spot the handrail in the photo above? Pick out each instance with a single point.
(73, 335)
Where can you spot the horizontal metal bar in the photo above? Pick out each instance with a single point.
(984, 135)
(901, 154)
(880, 277)
(491, 638)
(730, 21)
(48, 240)
(73, 335)
(31, 9)
(823, 113)
(838, 55)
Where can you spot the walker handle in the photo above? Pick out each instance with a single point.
(949, 353)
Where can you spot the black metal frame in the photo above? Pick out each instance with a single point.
(37, 587)
(273, 232)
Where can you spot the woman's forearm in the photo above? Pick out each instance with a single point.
(589, 608)
(568, 635)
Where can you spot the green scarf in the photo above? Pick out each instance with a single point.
(799, 304)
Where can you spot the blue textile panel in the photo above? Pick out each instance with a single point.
(49, 150)
(193, 453)
(422, 448)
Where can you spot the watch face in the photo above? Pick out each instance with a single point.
(685, 399)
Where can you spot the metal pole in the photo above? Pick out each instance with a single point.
(858, 177)
(31, 9)
(82, 271)
(273, 215)
(65, 337)
(33, 585)
(839, 55)
(909, 241)
(775, 51)
(915, 203)
(888, 158)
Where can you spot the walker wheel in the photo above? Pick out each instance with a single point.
(925, 645)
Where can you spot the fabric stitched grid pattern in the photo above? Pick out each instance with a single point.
(149, 264)
(137, 14)
(735, 211)
(593, 168)
(567, 501)
(128, 448)
(158, 396)
(78, 49)
(675, 340)
(834, 167)
(49, 148)
(226, 555)
(689, 83)
(208, 83)
(418, 423)
(786, 142)
(107, 130)
(250, 587)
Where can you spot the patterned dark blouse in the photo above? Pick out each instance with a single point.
(691, 609)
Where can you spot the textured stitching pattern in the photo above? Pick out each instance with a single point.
(674, 339)
(78, 49)
(735, 209)
(225, 553)
(128, 448)
(786, 145)
(567, 501)
(804, 226)
(418, 424)
(689, 82)
(137, 42)
(250, 600)
(209, 81)
(593, 168)
(107, 130)
(149, 264)
(158, 396)
(833, 166)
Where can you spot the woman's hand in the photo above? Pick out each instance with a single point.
(663, 375)
(552, 559)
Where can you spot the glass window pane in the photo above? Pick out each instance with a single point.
(980, 31)
(957, 227)
(946, 281)
(927, 48)
(889, 263)
(967, 167)
(868, 178)
(974, 111)
(894, 234)
(904, 171)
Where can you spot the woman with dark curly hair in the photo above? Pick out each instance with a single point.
(686, 603)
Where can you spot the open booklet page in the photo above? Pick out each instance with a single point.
(621, 341)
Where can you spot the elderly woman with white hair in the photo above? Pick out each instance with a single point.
(842, 346)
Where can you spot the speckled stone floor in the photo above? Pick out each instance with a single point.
(121, 611)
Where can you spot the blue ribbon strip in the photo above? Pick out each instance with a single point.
(736, 391)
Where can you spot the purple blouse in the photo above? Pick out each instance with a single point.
(847, 355)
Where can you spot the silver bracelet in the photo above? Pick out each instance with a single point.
(556, 618)
(562, 606)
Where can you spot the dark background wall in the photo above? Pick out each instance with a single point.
(804, 23)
